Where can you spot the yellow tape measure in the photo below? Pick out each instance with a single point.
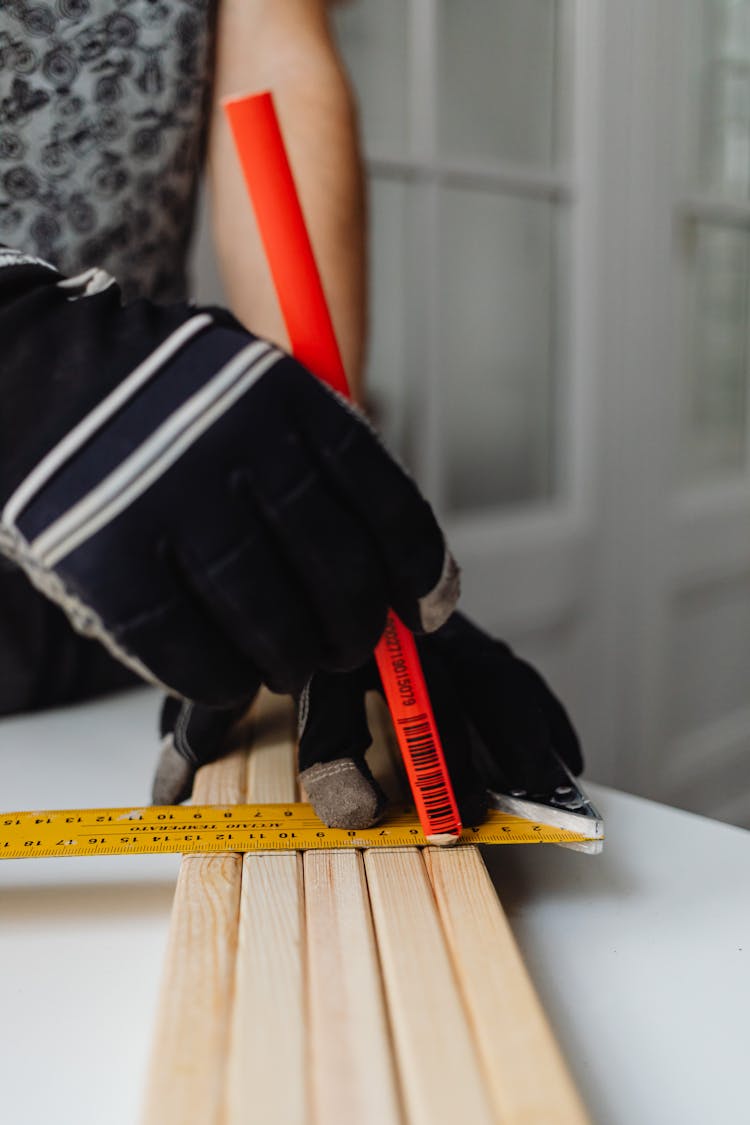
(233, 828)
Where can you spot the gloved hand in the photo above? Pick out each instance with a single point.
(500, 725)
(196, 500)
(191, 736)
(43, 662)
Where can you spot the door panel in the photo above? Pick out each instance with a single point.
(706, 765)
(487, 204)
(496, 332)
(560, 200)
(497, 81)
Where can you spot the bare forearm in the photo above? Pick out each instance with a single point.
(290, 52)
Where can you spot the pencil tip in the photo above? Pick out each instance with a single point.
(443, 840)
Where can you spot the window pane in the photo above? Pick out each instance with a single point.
(387, 384)
(724, 112)
(716, 424)
(373, 40)
(497, 83)
(497, 326)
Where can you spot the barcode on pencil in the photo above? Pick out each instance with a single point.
(430, 777)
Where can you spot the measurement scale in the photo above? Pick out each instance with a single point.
(155, 829)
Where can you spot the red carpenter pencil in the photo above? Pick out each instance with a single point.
(262, 154)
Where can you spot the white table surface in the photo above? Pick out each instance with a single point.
(641, 955)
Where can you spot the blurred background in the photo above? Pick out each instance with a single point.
(560, 276)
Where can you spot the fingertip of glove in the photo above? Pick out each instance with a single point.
(341, 795)
(436, 607)
(473, 807)
(173, 780)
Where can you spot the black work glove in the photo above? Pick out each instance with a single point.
(195, 499)
(191, 736)
(43, 662)
(500, 725)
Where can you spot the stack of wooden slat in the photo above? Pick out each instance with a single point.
(333, 987)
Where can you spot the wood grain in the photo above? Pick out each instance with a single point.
(223, 782)
(266, 1074)
(266, 1078)
(384, 756)
(334, 988)
(272, 766)
(441, 1080)
(353, 1076)
(188, 1059)
(527, 1077)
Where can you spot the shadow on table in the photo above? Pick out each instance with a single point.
(74, 903)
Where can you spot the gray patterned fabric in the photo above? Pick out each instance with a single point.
(103, 110)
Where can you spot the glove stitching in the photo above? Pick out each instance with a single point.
(358, 415)
(354, 432)
(182, 745)
(323, 770)
(303, 708)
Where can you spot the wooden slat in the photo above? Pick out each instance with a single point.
(186, 1078)
(266, 1060)
(223, 782)
(350, 1055)
(187, 1062)
(527, 1077)
(299, 1032)
(266, 1075)
(272, 766)
(352, 1072)
(441, 1080)
(384, 756)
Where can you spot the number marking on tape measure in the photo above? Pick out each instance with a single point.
(233, 828)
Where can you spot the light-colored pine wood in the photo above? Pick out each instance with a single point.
(350, 1056)
(353, 1077)
(268, 1015)
(384, 756)
(222, 782)
(266, 1060)
(527, 1076)
(441, 1080)
(272, 766)
(186, 1080)
(266, 1074)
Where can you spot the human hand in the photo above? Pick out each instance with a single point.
(197, 501)
(500, 726)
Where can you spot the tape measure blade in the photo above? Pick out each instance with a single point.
(235, 828)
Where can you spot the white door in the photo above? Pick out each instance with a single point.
(560, 194)
(560, 203)
(705, 710)
(480, 138)
(673, 329)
